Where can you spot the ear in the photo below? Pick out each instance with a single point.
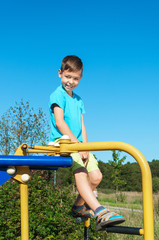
(59, 73)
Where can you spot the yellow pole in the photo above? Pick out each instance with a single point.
(23, 193)
(24, 211)
(66, 148)
(87, 223)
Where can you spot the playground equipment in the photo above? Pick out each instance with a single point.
(18, 167)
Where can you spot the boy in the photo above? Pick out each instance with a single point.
(66, 111)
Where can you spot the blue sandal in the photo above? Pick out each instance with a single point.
(83, 212)
(107, 218)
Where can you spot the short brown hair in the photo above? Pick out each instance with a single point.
(72, 63)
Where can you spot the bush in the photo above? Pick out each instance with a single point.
(10, 210)
(49, 211)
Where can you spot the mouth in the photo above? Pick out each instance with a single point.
(68, 86)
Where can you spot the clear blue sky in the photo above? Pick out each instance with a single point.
(118, 42)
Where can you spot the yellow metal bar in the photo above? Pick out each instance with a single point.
(141, 231)
(66, 148)
(87, 223)
(24, 212)
(39, 151)
(23, 194)
(47, 148)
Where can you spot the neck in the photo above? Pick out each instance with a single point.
(70, 93)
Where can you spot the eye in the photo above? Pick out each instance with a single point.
(68, 76)
(76, 79)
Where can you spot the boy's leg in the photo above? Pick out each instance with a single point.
(81, 176)
(85, 194)
(85, 187)
(103, 216)
(94, 178)
(93, 173)
(85, 190)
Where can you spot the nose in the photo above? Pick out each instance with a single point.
(71, 80)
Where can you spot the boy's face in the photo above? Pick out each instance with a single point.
(70, 80)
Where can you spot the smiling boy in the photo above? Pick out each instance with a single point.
(66, 112)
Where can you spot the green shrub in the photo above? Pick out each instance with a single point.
(49, 211)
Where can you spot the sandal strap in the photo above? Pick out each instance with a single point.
(105, 216)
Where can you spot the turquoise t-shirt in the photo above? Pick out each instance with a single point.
(73, 107)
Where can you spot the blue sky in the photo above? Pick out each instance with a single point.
(118, 42)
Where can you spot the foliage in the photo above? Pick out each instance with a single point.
(49, 211)
(155, 183)
(22, 124)
(132, 174)
(10, 211)
(65, 177)
(154, 165)
(106, 170)
(116, 165)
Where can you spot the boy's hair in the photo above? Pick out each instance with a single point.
(72, 63)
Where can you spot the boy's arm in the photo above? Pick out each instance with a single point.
(65, 130)
(84, 135)
(62, 125)
(84, 132)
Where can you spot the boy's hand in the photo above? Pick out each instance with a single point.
(84, 157)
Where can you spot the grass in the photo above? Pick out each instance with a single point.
(127, 204)
(123, 199)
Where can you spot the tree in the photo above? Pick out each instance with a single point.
(21, 124)
(155, 183)
(132, 174)
(106, 170)
(116, 165)
(154, 165)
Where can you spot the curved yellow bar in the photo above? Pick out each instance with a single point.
(66, 148)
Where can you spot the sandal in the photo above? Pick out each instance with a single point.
(83, 212)
(107, 218)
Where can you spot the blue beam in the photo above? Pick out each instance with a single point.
(35, 161)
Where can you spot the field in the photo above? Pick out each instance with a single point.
(129, 204)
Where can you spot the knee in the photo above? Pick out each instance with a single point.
(99, 178)
(96, 178)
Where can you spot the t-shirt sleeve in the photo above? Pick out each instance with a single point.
(57, 99)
